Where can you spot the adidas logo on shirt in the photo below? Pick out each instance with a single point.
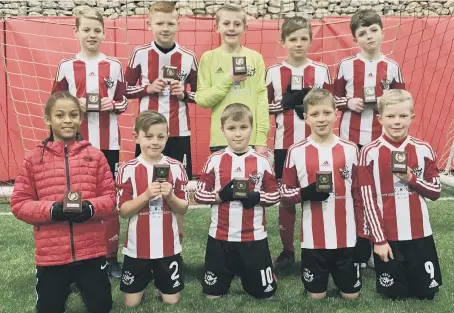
(177, 283)
(238, 169)
(433, 284)
(371, 75)
(269, 288)
(325, 163)
(92, 74)
(219, 71)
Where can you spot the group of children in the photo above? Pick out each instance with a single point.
(365, 203)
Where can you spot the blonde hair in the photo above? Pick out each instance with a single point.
(236, 111)
(293, 24)
(149, 118)
(317, 96)
(89, 13)
(162, 6)
(393, 97)
(230, 8)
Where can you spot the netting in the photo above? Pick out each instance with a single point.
(31, 48)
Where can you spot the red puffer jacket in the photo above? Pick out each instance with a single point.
(42, 181)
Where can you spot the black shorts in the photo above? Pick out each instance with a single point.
(414, 271)
(279, 160)
(318, 264)
(178, 148)
(113, 157)
(91, 278)
(251, 261)
(138, 273)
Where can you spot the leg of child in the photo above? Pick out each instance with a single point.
(346, 273)
(136, 275)
(287, 217)
(52, 288)
(168, 278)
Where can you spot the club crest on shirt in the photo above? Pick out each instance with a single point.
(315, 86)
(109, 82)
(385, 84)
(417, 171)
(182, 75)
(250, 71)
(344, 172)
(255, 178)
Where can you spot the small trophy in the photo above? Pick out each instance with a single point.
(399, 161)
(72, 202)
(170, 72)
(369, 95)
(93, 102)
(161, 172)
(324, 181)
(240, 188)
(297, 82)
(239, 65)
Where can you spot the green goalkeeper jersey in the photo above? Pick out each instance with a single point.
(216, 90)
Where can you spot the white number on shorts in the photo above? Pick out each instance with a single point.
(357, 270)
(175, 274)
(267, 276)
(429, 266)
(185, 161)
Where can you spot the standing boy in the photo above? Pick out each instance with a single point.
(238, 183)
(288, 83)
(219, 85)
(151, 65)
(319, 173)
(97, 81)
(396, 173)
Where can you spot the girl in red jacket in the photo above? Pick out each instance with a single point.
(70, 246)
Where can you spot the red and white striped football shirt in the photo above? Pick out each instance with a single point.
(394, 209)
(329, 224)
(290, 128)
(153, 232)
(229, 220)
(104, 76)
(146, 66)
(353, 75)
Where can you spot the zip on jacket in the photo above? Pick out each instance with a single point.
(68, 188)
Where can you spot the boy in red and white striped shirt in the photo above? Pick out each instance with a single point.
(152, 245)
(92, 73)
(370, 69)
(284, 98)
(406, 261)
(237, 241)
(328, 226)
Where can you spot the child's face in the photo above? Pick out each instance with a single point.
(163, 26)
(298, 43)
(237, 133)
(396, 119)
(369, 38)
(90, 34)
(231, 27)
(321, 118)
(153, 141)
(64, 119)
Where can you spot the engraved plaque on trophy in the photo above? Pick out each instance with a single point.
(296, 82)
(240, 188)
(399, 161)
(324, 181)
(93, 102)
(72, 202)
(170, 72)
(161, 172)
(369, 95)
(239, 65)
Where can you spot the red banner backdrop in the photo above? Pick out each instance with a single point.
(32, 49)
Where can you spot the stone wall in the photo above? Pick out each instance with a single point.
(254, 8)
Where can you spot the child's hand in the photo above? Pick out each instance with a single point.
(384, 251)
(405, 176)
(153, 190)
(166, 190)
(157, 86)
(263, 150)
(356, 105)
(106, 104)
(238, 78)
(177, 89)
(83, 104)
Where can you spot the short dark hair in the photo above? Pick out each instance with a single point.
(316, 96)
(147, 119)
(364, 18)
(293, 24)
(236, 111)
